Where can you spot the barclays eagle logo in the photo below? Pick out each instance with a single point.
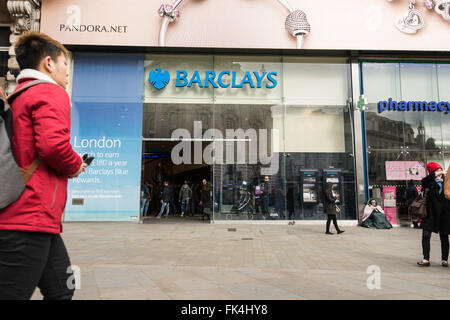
(159, 79)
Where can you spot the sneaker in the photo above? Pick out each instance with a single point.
(445, 264)
(182, 214)
(423, 264)
(158, 217)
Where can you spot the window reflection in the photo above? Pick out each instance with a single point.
(418, 137)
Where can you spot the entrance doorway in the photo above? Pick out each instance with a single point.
(157, 168)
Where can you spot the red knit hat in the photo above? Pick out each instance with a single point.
(433, 166)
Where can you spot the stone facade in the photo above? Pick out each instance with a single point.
(26, 15)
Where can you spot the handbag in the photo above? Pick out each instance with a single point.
(418, 208)
(338, 210)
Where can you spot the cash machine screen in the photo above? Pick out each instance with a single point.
(333, 177)
(309, 189)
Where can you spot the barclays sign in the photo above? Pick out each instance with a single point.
(225, 79)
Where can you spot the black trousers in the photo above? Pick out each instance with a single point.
(426, 237)
(332, 217)
(32, 259)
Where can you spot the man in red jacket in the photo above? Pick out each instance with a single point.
(32, 252)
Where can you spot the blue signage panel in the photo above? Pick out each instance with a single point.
(159, 79)
(430, 106)
(107, 124)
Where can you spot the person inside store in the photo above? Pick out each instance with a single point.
(145, 198)
(331, 207)
(279, 201)
(410, 195)
(265, 190)
(374, 216)
(205, 199)
(257, 196)
(167, 198)
(185, 196)
(437, 219)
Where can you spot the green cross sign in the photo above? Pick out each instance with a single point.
(362, 102)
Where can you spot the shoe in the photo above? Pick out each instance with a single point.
(341, 231)
(328, 232)
(445, 264)
(424, 264)
(182, 214)
(158, 217)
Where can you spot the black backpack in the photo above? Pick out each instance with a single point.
(12, 178)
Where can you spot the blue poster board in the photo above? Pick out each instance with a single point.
(106, 122)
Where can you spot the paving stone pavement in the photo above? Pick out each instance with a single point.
(206, 261)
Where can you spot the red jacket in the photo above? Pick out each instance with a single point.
(41, 124)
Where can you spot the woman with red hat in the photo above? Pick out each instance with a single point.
(437, 219)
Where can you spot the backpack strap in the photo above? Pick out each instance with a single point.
(26, 173)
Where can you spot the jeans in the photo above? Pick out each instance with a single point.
(426, 237)
(144, 206)
(34, 259)
(264, 205)
(164, 206)
(185, 206)
(332, 217)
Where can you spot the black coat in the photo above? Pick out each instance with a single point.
(438, 208)
(329, 202)
(205, 196)
(167, 195)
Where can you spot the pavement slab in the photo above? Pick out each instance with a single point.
(207, 261)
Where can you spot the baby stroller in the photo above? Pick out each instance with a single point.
(244, 205)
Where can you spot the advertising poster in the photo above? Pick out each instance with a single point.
(395, 170)
(255, 24)
(415, 170)
(405, 170)
(390, 203)
(110, 129)
(109, 189)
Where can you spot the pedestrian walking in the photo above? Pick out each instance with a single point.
(32, 252)
(166, 199)
(437, 219)
(185, 198)
(331, 207)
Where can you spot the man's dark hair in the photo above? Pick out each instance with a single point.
(34, 46)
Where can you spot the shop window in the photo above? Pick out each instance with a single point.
(414, 138)
(302, 110)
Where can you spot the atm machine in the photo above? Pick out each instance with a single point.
(334, 176)
(309, 192)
